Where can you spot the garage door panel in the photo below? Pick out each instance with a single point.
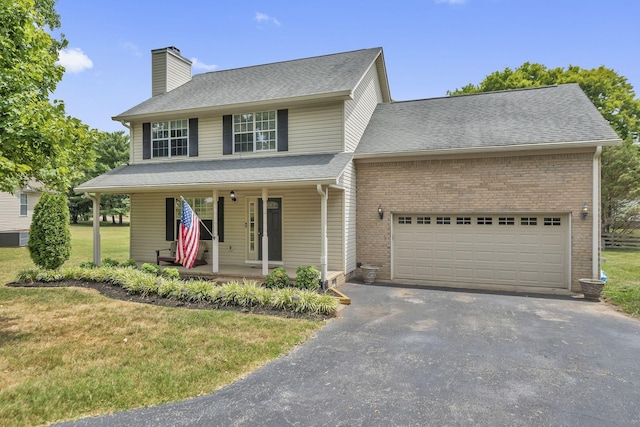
(514, 249)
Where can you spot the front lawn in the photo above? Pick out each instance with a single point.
(622, 267)
(67, 353)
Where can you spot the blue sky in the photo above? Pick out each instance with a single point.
(430, 46)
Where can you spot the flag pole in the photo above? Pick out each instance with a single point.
(201, 222)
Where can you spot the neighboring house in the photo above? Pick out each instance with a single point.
(309, 162)
(16, 212)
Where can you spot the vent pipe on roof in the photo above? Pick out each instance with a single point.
(169, 69)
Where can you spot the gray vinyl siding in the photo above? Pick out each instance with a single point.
(315, 129)
(10, 218)
(301, 226)
(359, 110)
(158, 74)
(178, 72)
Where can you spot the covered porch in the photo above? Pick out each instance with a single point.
(252, 227)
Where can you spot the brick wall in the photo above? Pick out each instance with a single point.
(548, 183)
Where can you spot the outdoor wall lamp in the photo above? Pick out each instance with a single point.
(233, 197)
(380, 212)
(585, 211)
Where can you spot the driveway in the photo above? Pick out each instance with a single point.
(402, 356)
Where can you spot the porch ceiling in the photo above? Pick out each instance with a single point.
(270, 171)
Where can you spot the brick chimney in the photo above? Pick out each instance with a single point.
(169, 70)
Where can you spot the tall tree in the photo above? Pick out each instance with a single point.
(112, 150)
(37, 139)
(50, 238)
(615, 98)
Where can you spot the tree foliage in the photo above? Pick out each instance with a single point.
(112, 150)
(37, 139)
(50, 237)
(615, 98)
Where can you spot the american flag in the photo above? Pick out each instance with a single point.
(188, 236)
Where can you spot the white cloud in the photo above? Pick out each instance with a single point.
(74, 60)
(450, 1)
(132, 48)
(202, 66)
(264, 18)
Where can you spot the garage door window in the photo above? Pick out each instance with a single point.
(404, 220)
(463, 220)
(509, 220)
(484, 220)
(443, 220)
(423, 220)
(528, 221)
(552, 221)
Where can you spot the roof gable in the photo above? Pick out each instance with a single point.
(321, 76)
(531, 118)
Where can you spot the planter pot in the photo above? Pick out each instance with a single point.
(369, 273)
(591, 288)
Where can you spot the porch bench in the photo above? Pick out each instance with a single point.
(171, 257)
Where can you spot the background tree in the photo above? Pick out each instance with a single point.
(50, 238)
(111, 151)
(37, 139)
(615, 98)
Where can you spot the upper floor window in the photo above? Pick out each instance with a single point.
(170, 138)
(24, 204)
(253, 132)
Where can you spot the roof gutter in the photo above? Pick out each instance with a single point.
(489, 149)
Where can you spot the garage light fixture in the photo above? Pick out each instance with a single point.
(380, 212)
(585, 211)
(233, 197)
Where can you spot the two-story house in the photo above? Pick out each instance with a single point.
(16, 213)
(309, 162)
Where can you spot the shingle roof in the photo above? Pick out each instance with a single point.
(290, 170)
(321, 75)
(526, 117)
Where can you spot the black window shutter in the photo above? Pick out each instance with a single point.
(146, 140)
(193, 137)
(283, 130)
(221, 219)
(170, 208)
(227, 134)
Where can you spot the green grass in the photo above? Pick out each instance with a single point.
(622, 267)
(67, 353)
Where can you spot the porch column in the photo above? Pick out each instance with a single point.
(265, 235)
(324, 195)
(214, 234)
(96, 226)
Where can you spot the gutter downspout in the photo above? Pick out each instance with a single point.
(96, 226)
(325, 241)
(595, 250)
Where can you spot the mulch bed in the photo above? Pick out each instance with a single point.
(119, 293)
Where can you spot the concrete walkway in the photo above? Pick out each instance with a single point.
(424, 357)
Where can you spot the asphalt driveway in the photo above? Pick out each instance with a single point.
(424, 357)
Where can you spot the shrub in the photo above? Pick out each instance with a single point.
(130, 263)
(170, 273)
(278, 278)
(150, 268)
(307, 277)
(110, 262)
(50, 237)
(88, 264)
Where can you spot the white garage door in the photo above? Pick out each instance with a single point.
(493, 249)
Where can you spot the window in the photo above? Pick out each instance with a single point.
(484, 220)
(463, 220)
(443, 220)
(424, 220)
(24, 204)
(404, 220)
(254, 132)
(170, 139)
(528, 220)
(506, 220)
(552, 221)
